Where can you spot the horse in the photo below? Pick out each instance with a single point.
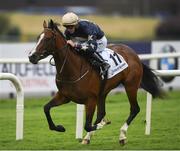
(78, 81)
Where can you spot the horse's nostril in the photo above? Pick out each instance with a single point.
(33, 58)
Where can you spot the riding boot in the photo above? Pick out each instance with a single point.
(102, 63)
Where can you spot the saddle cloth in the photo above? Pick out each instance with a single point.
(115, 60)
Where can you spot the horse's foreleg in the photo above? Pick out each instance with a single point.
(100, 122)
(101, 110)
(57, 100)
(90, 109)
(89, 135)
(87, 138)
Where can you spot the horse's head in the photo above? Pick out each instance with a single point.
(46, 43)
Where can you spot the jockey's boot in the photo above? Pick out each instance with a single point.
(104, 66)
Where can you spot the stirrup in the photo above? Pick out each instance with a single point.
(102, 73)
(106, 66)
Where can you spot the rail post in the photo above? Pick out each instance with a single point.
(19, 102)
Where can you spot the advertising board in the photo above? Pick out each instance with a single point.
(171, 82)
(36, 79)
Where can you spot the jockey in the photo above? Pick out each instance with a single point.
(86, 37)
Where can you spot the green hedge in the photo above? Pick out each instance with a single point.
(8, 30)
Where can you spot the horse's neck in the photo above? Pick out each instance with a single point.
(68, 64)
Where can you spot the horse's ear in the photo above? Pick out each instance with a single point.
(51, 22)
(44, 24)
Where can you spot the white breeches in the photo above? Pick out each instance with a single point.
(101, 44)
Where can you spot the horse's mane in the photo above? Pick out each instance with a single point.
(54, 25)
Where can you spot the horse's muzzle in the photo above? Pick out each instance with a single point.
(34, 58)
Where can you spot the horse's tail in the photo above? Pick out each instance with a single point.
(151, 83)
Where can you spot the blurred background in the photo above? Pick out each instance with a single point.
(121, 20)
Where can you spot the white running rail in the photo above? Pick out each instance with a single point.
(158, 56)
(19, 103)
(141, 56)
(149, 97)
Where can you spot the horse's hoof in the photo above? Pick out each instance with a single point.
(60, 128)
(85, 141)
(123, 142)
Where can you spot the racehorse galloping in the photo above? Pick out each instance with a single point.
(77, 80)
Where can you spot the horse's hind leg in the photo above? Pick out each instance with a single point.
(131, 91)
(57, 100)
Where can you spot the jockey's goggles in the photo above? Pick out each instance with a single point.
(69, 26)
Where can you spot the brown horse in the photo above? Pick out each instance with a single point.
(79, 82)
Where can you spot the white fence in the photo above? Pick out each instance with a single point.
(149, 97)
(159, 55)
(19, 103)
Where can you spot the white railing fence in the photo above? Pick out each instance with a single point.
(141, 56)
(149, 97)
(19, 103)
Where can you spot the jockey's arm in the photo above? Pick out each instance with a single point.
(90, 46)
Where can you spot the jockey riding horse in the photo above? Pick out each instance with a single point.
(87, 38)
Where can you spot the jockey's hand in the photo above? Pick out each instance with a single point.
(71, 43)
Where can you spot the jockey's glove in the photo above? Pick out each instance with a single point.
(83, 46)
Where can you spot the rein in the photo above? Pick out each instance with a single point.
(62, 67)
(73, 81)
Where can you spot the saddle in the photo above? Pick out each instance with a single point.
(107, 60)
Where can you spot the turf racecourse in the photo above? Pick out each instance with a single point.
(165, 131)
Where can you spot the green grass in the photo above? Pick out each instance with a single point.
(165, 130)
(115, 27)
